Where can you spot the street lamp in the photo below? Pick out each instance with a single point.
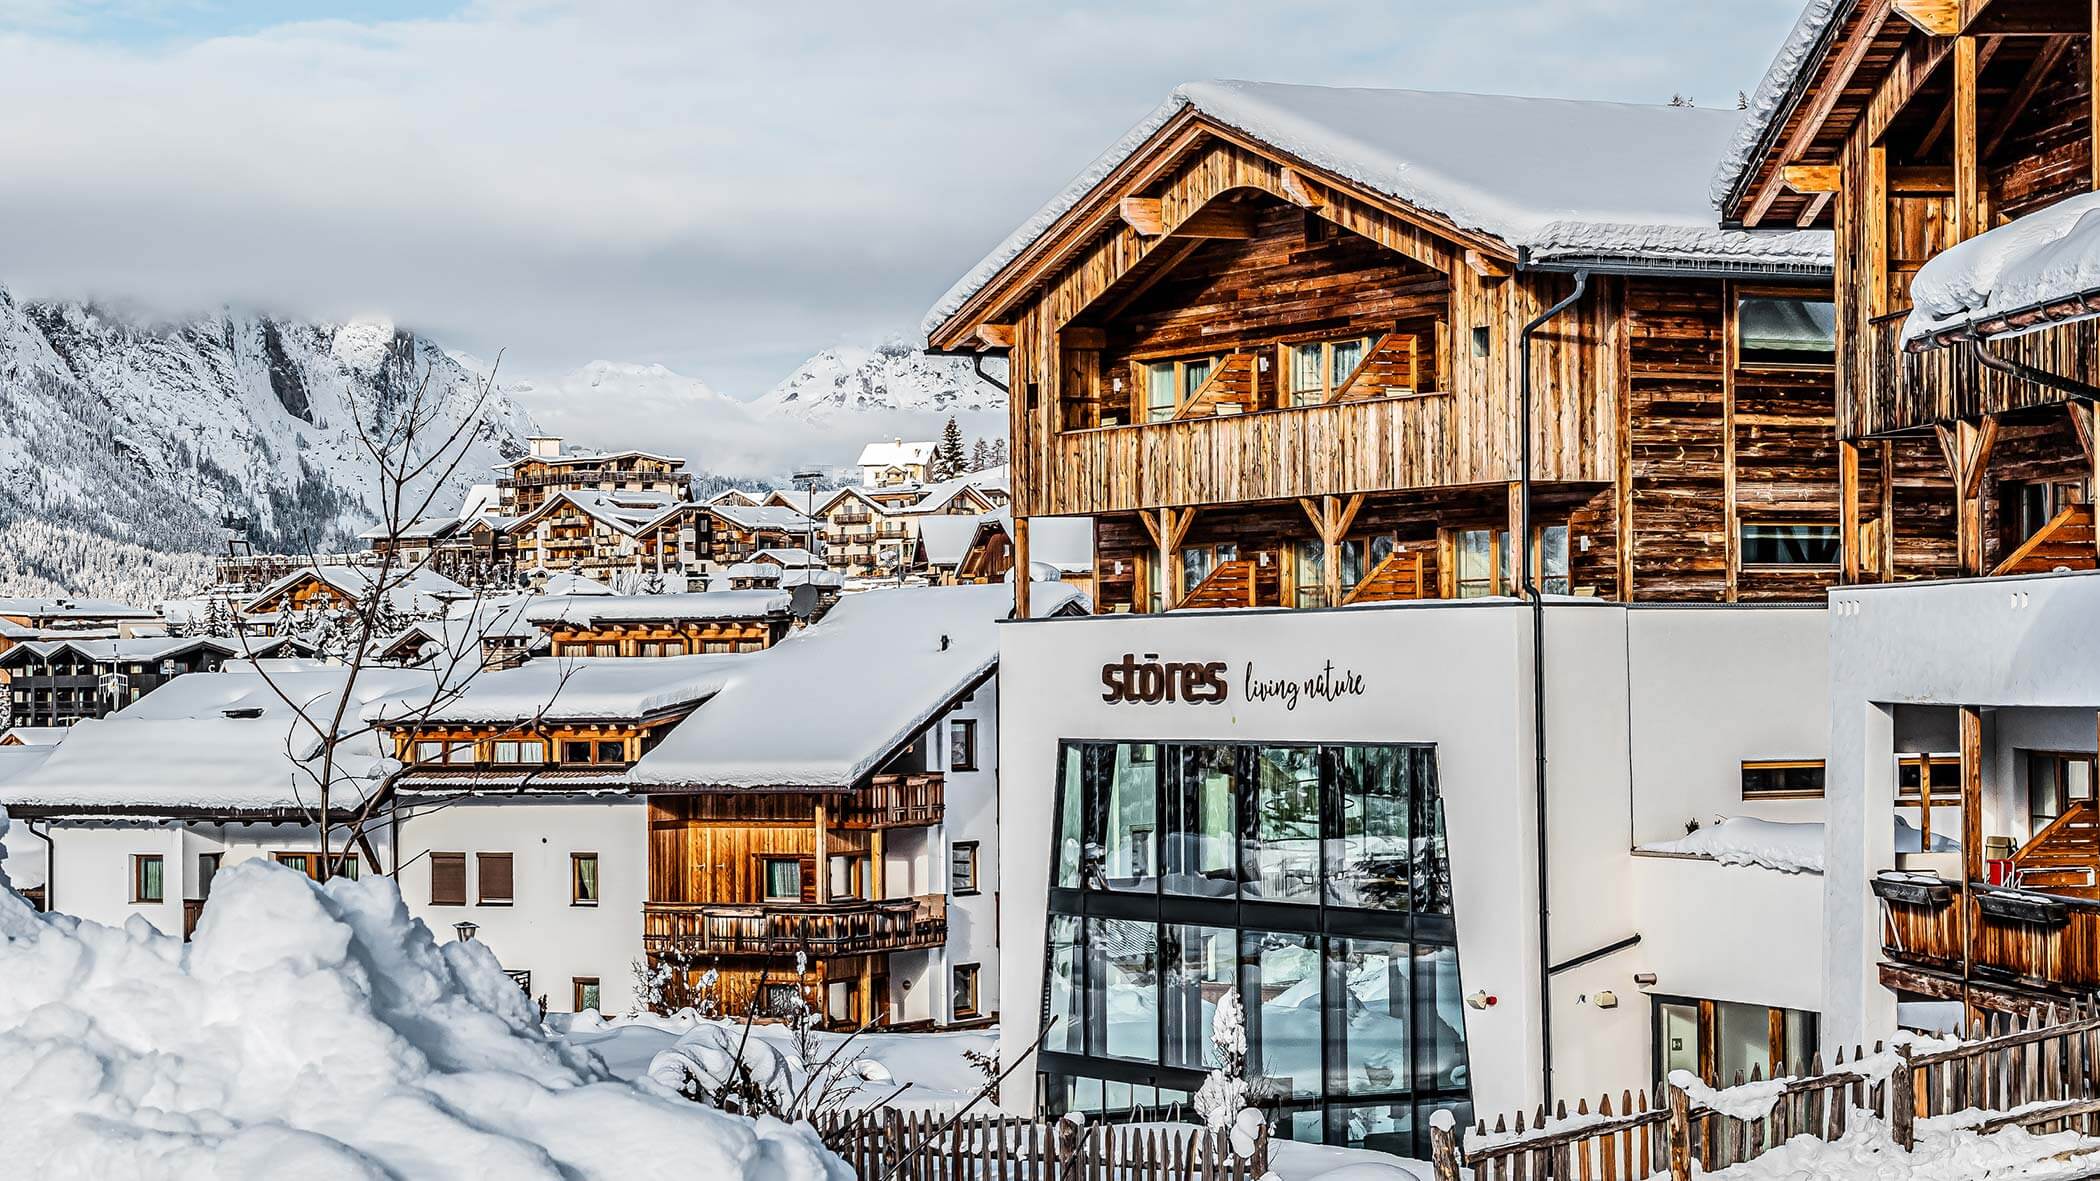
(465, 929)
(809, 508)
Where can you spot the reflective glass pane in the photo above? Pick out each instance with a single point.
(1283, 990)
(1380, 1127)
(1368, 855)
(1440, 1021)
(1195, 567)
(1346, 355)
(1071, 830)
(1305, 374)
(1431, 872)
(1369, 1056)
(1201, 967)
(1193, 375)
(1786, 331)
(1352, 552)
(1200, 830)
(1122, 821)
(1280, 857)
(1123, 989)
(1553, 559)
(1159, 391)
(1476, 563)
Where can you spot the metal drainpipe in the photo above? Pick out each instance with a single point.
(50, 862)
(1538, 678)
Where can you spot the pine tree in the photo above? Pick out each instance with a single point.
(980, 455)
(998, 451)
(949, 458)
(1679, 100)
(1742, 101)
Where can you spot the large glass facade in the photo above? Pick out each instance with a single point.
(1313, 880)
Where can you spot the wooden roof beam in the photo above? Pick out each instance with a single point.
(1143, 215)
(995, 336)
(1489, 267)
(1810, 178)
(1826, 100)
(1940, 18)
(2023, 94)
(1217, 221)
(1301, 192)
(1813, 210)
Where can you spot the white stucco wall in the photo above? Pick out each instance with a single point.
(91, 862)
(2010, 643)
(542, 931)
(1458, 675)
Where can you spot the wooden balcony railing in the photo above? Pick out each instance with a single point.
(1338, 448)
(1903, 390)
(2026, 938)
(784, 928)
(895, 801)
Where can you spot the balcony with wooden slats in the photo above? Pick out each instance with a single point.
(819, 929)
(905, 800)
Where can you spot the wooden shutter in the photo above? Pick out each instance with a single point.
(495, 876)
(809, 879)
(448, 879)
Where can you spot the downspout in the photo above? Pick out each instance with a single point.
(1531, 590)
(2028, 373)
(50, 861)
(977, 363)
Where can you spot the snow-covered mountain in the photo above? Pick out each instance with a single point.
(127, 437)
(889, 378)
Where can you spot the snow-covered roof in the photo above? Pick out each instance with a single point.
(877, 669)
(422, 529)
(738, 495)
(458, 636)
(562, 582)
(422, 589)
(33, 735)
(118, 651)
(946, 537)
(896, 453)
(2041, 269)
(1789, 847)
(572, 458)
(1064, 542)
(590, 610)
(1796, 55)
(771, 516)
(1557, 178)
(935, 497)
(792, 557)
(568, 690)
(627, 512)
(220, 743)
(71, 608)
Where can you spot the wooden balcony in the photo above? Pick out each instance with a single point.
(1901, 390)
(821, 929)
(895, 801)
(1338, 448)
(2026, 939)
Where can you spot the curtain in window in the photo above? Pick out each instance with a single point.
(586, 879)
(1193, 375)
(1159, 391)
(149, 879)
(1343, 359)
(783, 879)
(1305, 374)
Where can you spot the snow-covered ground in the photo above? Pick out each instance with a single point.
(319, 1032)
(1944, 1151)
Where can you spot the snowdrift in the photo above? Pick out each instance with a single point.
(319, 1032)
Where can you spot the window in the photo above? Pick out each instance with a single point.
(1487, 567)
(612, 752)
(445, 752)
(1314, 371)
(1310, 561)
(575, 752)
(1946, 776)
(605, 648)
(1790, 545)
(511, 752)
(1167, 384)
(965, 990)
(448, 879)
(146, 884)
(585, 989)
(2029, 505)
(2055, 782)
(962, 867)
(1197, 562)
(1782, 779)
(1280, 853)
(495, 879)
(1773, 331)
(783, 879)
(962, 745)
(207, 869)
(583, 879)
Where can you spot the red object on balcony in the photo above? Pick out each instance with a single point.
(1999, 871)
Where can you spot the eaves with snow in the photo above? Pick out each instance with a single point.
(1550, 180)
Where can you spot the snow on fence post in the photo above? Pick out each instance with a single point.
(1680, 1134)
(1902, 1100)
(1443, 1145)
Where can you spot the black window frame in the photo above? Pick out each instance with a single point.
(1782, 779)
(1064, 1072)
(963, 730)
(973, 889)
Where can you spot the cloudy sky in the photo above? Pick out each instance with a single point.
(720, 188)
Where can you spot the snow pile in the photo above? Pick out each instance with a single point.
(1748, 1101)
(1746, 840)
(715, 1056)
(1795, 54)
(2049, 255)
(320, 1032)
(1944, 1151)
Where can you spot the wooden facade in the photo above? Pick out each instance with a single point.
(1172, 343)
(667, 637)
(1907, 138)
(532, 480)
(561, 535)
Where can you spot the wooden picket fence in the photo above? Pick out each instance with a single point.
(892, 1145)
(2049, 1072)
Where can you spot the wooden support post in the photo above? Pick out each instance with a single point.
(1848, 508)
(1968, 172)
(1967, 448)
(1169, 562)
(1925, 802)
(1331, 548)
(1972, 792)
(1680, 1134)
(1021, 569)
(1903, 1101)
(867, 989)
(878, 884)
(1443, 1151)
(823, 870)
(2092, 65)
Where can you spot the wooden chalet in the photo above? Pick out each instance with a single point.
(1273, 346)
(603, 535)
(59, 682)
(1950, 146)
(663, 625)
(327, 587)
(738, 532)
(1911, 128)
(546, 470)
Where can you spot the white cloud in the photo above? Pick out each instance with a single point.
(721, 187)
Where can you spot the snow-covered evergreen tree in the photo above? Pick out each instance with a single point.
(1225, 1090)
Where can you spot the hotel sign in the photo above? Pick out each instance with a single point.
(1148, 680)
